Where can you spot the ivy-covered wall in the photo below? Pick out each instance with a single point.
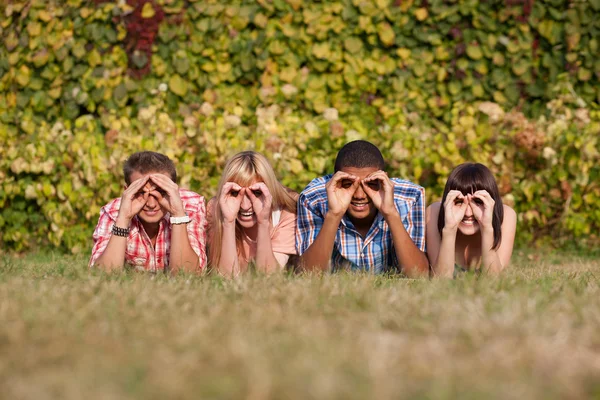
(511, 83)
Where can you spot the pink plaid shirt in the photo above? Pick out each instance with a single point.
(140, 253)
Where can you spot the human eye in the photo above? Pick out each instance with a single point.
(374, 185)
(346, 183)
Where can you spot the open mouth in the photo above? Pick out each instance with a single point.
(469, 221)
(360, 205)
(246, 214)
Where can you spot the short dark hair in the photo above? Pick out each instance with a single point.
(145, 162)
(359, 154)
(468, 178)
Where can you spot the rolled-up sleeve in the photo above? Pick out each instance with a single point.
(308, 224)
(417, 220)
(101, 236)
(196, 229)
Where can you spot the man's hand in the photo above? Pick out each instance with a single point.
(340, 190)
(380, 190)
(261, 200)
(168, 197)
(482, 205)
(455, 207)
(132, 201)
(230, 199)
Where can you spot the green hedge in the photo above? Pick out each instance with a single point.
(55, 180)
(63, 59)
(85, 83)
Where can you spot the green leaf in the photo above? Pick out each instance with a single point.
(474, 52)
(353, 44)
(178, 85)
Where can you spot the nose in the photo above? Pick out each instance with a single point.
(151, 202)
(468, 211)
(246, 204)
(360, 193)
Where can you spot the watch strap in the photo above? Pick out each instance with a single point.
(180, 220)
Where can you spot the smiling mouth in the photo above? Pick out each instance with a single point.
(151, 212)
(360, 205)
(469, 222)
(246, 214)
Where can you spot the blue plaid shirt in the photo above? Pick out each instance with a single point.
(375, 252)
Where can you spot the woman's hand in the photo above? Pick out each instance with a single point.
(482, 205)
(261, 200)
(230, 199)
(455, 207)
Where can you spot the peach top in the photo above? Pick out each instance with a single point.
(283, 236)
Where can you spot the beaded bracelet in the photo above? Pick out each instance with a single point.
(123, 232)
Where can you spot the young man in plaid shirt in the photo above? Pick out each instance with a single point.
(360, 219)
(155, 225)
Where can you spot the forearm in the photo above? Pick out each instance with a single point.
(443, 266)
(229, 264)
(183, 256)
(113, 257)
(265, 259)
(318, 255)
(490, 262)
(413, 261)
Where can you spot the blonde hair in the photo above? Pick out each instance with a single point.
(244, 169)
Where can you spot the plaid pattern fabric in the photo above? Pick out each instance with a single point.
(375, 252)
(140, 253)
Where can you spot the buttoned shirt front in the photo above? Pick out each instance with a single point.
(374, 252)
(140, 253)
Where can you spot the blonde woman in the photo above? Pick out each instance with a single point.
(252, 218)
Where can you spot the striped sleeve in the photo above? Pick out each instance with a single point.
(308, 224)
(417, 220)
(195, 208)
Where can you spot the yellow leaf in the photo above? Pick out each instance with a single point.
(23, 75)
(85, 12)
(34, 28)
(421, 14)
(295, 166)
(148, 11)
(403, 53)
(44, 16)
(386, 33)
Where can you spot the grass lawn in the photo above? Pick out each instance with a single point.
(66, 333)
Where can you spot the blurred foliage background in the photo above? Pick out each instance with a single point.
(513, 84)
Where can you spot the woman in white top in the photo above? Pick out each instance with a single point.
(470, 229)
(252, 219)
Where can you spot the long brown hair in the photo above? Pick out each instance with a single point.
(245, 168)
(468, 178)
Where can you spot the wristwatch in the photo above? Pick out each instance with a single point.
(180, 220)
